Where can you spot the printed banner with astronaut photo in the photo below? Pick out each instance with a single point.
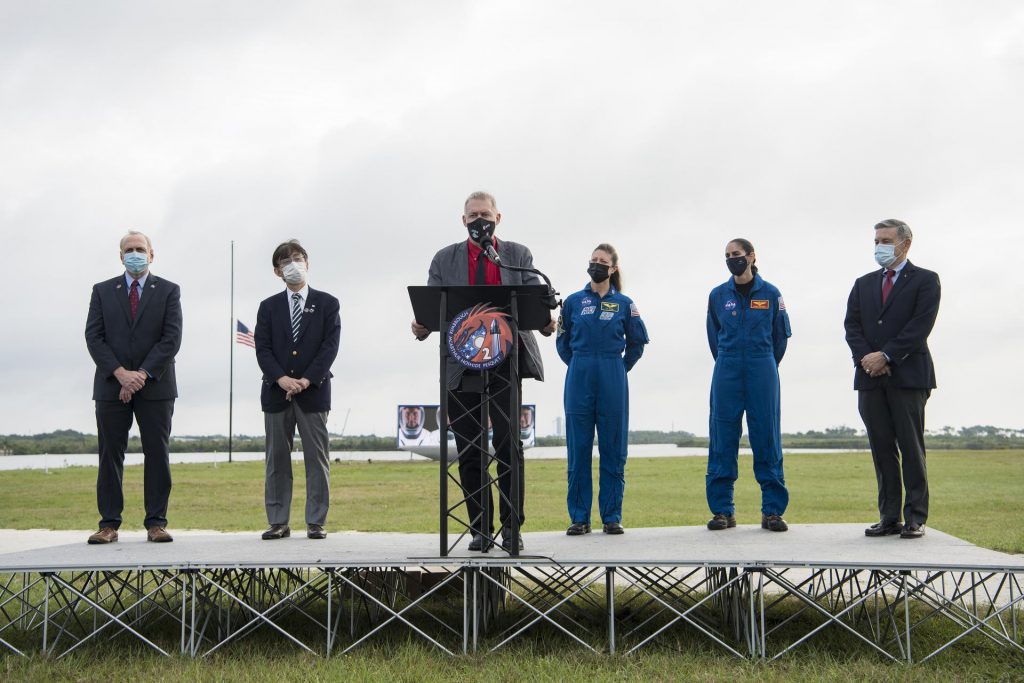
(418, 426)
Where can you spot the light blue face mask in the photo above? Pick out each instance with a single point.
(885, 254)
(136, 263)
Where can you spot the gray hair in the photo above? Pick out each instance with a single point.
(134, 233)
(480, 194)
(903, 231)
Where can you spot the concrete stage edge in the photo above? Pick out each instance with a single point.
(744, 589)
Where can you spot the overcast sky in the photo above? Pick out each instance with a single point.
(665, 128)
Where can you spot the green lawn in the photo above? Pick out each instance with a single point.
(976, 495)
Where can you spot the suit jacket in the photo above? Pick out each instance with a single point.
(148, 343)
(450, 266)
(900, 328)
(310, 357)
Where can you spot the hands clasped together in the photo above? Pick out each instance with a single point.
(131, 381)
(875, 364)
(292, 386)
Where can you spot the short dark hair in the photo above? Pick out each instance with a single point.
(286, 249)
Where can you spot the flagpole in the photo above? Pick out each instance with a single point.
(231, 370)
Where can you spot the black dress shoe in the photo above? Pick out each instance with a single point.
(613, 528)
(277, 531)
(577, 529)
(883, 529)
(315, 531)
(720, 521)
(774, 523)
(912, 531)
(506, 540)
(479, 544)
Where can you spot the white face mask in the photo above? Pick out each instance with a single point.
(294, 273)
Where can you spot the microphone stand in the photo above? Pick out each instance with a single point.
(492, 255)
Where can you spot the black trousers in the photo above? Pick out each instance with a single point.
(894, 419)
(466, 415)
(113, 420)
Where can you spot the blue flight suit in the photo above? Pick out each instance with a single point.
(593, 331)
(748, 338)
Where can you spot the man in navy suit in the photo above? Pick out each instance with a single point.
(133, 332)
(297, 335)
(889, 316)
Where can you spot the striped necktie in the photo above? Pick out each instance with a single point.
(296, 315)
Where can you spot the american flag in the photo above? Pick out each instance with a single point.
(243, 335)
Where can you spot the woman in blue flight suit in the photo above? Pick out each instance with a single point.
(596, 325)
(748, 329)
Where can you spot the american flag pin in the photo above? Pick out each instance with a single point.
(117, 287)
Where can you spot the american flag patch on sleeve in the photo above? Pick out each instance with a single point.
(782, 304)
(634, 311)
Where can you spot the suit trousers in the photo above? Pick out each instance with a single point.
(466, 412)
(113, 420)
(894, 419)
(280, 429)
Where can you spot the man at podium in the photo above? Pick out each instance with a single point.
(465, 263)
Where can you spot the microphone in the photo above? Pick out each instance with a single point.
(492, 254)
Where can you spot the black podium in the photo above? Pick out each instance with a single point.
(527, 307)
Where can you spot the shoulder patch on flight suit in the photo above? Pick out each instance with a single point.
(610, 306)
(634, 311)
(782, 304)
(760, 304)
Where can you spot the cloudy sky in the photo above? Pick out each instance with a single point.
(665, 128)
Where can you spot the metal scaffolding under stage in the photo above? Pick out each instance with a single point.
(749, 592)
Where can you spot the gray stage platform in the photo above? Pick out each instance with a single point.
(751, 592)
(811, 545)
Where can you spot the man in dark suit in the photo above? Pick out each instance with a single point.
(297, 335)
(464, 263)
(133, 333)
(889, 316)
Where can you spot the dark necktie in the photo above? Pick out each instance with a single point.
(481, 269)
(133, 298)
(887, 285)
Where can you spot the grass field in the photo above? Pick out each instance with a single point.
(975, 495)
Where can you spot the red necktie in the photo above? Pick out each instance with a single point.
(887, 285)
(133, 298)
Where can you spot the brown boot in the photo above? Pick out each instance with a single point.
(158, 534)
(105, 535)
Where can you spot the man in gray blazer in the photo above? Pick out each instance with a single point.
(465, 263)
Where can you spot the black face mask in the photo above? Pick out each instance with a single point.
(481, 230)
(737, 265)
(598, 272)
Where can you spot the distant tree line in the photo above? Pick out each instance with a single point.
(66, 441)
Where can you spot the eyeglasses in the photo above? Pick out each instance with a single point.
(294, 259)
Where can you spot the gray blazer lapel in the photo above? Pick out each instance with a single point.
(461, 265)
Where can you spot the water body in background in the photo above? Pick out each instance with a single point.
(39, 462)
